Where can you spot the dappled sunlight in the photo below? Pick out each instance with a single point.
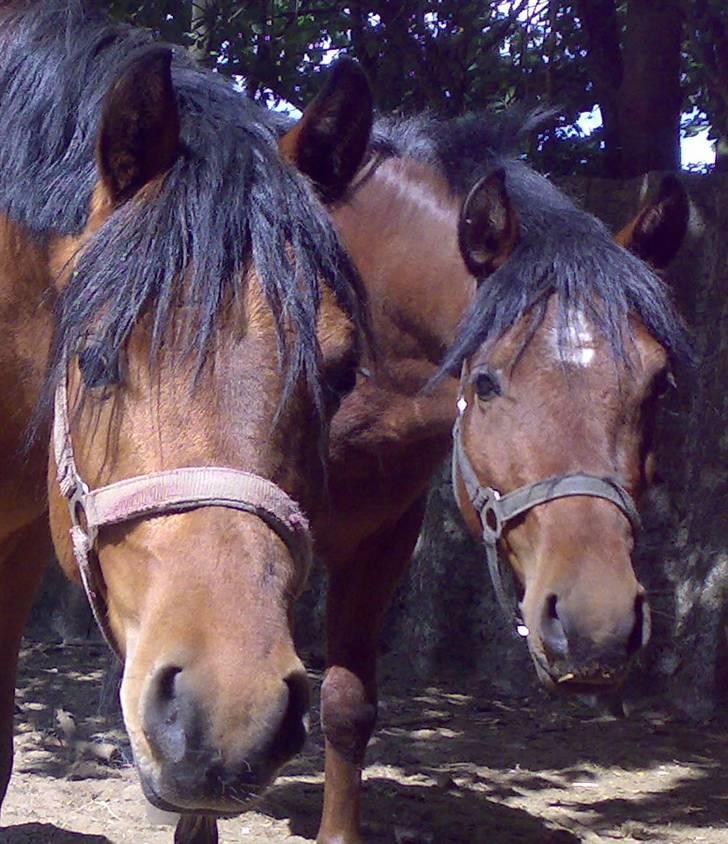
(449, 764)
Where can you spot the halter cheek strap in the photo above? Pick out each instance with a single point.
(495, 510)
(161, 493)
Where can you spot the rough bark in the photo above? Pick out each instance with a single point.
(637, 82)
(650, 96)
(709, 38)
(200, 29)
(263, 49)
(604, 58)
(721, 153)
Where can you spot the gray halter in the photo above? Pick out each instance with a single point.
(495, 510)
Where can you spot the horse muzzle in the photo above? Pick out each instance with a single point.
(574, 657)
(187, 765)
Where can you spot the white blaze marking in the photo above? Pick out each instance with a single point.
(576, 344)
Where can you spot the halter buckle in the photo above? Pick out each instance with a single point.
(487, 503)
(77, 509)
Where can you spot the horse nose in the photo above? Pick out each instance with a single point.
(176, 724)
(566, 635)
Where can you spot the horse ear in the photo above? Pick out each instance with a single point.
(139, 135)
(328, 143)
(488, 230)
(657, 232)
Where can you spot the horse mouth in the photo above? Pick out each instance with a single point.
(588, 685)
(239, 804)
(586, 679)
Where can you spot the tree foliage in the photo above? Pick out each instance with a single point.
(450, 56)
(707, 70)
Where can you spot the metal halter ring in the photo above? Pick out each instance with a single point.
(487, 503)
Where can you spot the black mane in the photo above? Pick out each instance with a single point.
(562, 250)
(228, 203)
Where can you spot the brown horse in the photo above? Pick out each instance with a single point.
(564, 342)
(401, 225)
(573, 374)
(191, 273)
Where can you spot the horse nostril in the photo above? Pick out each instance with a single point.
(294, 726)
(162, 717)
(640, 634)
(299, 699)
(551, 602)
(298, 696)
(553, 634)
(166, 680)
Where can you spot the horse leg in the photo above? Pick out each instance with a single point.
(196, 829)
(23, 558)
(360, 591)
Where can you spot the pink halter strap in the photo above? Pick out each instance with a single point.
(158, 493)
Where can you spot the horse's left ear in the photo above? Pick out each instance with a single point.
(139, 135)
(657, 232)
(328, 143)
(489, 229)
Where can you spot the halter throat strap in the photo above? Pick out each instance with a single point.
(162, 493)
(495, 510)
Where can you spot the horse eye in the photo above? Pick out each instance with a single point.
(343, 381)
(664, 383)
(486, 386)
(97, 369)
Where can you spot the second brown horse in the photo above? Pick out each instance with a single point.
(565, 339)
(206, 323)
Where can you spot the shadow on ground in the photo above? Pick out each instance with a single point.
(420, 814)
(55, 680)
(450, 764)
(45, 833)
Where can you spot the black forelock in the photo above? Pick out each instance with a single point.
(562, 250)
(462, 148)
(57, 61)
(228, 203)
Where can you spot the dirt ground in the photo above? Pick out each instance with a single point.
(449, 765)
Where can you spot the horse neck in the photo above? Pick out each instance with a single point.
(25, 320)
(400, 228)
(26, 328)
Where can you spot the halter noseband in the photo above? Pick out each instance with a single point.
(173, 491)
(495, 510)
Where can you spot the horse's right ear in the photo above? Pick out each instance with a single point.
(657, 232)
(139, 135)
(328, 143)
(488, 230)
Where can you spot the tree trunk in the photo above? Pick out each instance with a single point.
(637, 85)
(604, 57)
(709, 36)
(263, 50)
(721, 153)
(650, 96)
(200, 29)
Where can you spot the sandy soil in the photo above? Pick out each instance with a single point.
(449, 765)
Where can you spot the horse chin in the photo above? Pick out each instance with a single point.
(211, 807)
(594, 680)
(590, 687)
